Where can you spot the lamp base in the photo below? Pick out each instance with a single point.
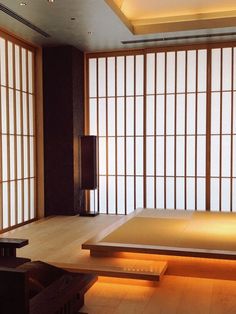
(89, 214)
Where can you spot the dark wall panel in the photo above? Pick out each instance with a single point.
(63, 122)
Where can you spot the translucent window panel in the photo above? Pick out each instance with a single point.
(160, 72)
(111, 117)
(19, 157)
(191, 155)
(93, 117)
(10, 64)
(31, 115)
(26, 199)
(19, 202)
(180, 155)
(170, 115)
(215, 113)
(150, 192)
(150, 77)
(120, 116)
(139, 74)
(102, 117)
(26, 159)
(32, 205)
(11, 112)
(160, 192)
(226, 155)
(150, 156)
(190, 193)
(191, 71)
(214, 194)
(102, 195)
(3, 61)
(170, 79)
(180, 114)
(130, 155)
(170, 193)
(202, 70)
(201, 156)
(111, 156)
(32, 172)
(111, 195)
(13, 203)
(102, 77)
(120, 156)
(160, 156)
(234, 156)
(201, 194)
(17, 67)
(160, 119)
(139, 155)
(234, 111)
(12, 157)
(25, 114)
(170, 156)
(215, 69)
(226, 113)
(92, 77)
(130, 194)
(234, 69)
(130, 116)
(4, 109)
(130, 75)
(102, 156)
(181, 64)
(150, 115)
(180, 188)
(121, 195)
(18, 113)
(24, 71)
(139, 192)
(111, 76)
(201, 114)
(225, 195)
(139, 115)
(227, 69)
(120, 76)
(191, 114)
(30, 71)
(5, 205)
(4, 158)
(215, 155)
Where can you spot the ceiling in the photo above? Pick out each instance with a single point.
(98, 25)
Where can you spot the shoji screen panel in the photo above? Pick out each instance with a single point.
(223, 128)
(176, 129)
(116, 100)
(17, 140)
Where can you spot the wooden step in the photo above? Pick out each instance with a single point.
(118, 267)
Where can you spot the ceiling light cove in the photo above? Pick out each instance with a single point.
(151, 16)
(23, 3)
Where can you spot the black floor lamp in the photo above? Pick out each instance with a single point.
(88, 169)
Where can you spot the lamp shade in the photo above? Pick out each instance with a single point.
(88, 149)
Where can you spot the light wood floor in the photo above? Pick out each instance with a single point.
(59, 239)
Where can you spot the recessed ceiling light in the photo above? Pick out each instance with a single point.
(23, 3)
(73, 18)
(51, 1)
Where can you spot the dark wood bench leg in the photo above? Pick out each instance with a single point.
(8, 252)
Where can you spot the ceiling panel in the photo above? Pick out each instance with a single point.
(95, 26)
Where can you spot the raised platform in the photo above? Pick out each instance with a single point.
(170, 232)
(118, 267)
